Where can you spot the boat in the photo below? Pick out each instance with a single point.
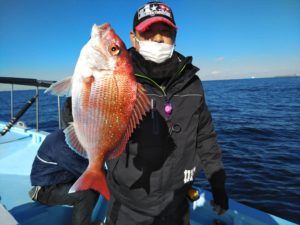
(18, 147)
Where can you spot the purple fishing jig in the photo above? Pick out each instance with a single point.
(168, 109)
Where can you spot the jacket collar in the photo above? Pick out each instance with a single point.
(174, 78)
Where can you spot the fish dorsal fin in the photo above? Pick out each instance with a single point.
(61, 88)
(142, 105)
(73, 142)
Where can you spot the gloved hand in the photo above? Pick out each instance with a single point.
(220, 199)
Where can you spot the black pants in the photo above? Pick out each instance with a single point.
(176, 213)
(83, 202)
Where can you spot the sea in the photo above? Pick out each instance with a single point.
(258, 126)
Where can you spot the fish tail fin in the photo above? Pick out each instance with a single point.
(92, 180)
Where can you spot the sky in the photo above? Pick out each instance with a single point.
(228, 39)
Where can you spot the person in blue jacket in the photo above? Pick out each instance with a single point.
(54, 170)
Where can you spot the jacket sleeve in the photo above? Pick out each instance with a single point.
(208, 149)
(75, 164)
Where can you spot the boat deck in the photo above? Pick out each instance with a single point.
(17, 151)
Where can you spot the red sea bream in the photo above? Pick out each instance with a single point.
(107, 104)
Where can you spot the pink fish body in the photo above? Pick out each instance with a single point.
(107, 104)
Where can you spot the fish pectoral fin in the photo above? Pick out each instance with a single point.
(73, 142)
(142, 105)
(87, 83)
(61, 88)
(88, 80)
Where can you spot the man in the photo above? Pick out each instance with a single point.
(174, 142)
(54, 170)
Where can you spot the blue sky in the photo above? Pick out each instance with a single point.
(227, 38)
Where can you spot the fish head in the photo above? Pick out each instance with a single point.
(110, 49)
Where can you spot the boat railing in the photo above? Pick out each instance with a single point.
(27, 82)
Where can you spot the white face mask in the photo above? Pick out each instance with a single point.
(154, 51)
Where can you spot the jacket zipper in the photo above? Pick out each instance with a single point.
(155, 127)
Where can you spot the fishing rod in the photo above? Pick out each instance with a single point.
(18, 115)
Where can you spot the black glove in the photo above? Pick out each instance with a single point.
(220, 199)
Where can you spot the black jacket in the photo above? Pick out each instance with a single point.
(165, 153)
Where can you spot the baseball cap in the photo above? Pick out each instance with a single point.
(153, 12)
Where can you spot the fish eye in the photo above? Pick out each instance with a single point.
(114, 49)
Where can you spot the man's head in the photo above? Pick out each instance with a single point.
(150, 13)
(153, 22)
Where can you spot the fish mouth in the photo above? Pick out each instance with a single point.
(104, 29)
